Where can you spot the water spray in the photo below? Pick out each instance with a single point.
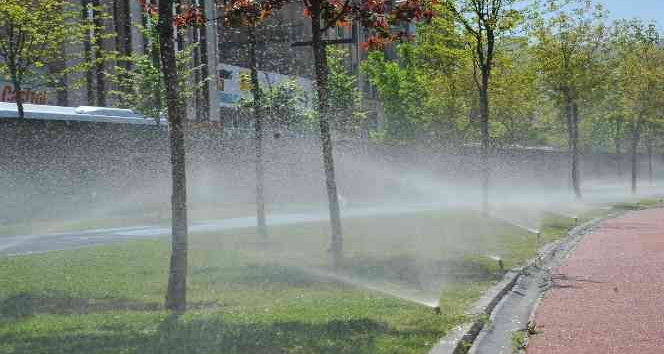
(536, 232)
(385, 290)
(501, 264)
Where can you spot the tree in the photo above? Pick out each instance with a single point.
(514, 93)
(444, 68)
(33, 35)
(640, 58)
(176, 294)
(141, 87)
(202, 75)
(402, 90)
(286, 107)
(568, 50)
(325, 14)
(484, 22)
(250, 14)
(345, 97)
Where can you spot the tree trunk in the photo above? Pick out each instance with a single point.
(176, 296)
(576, 180)
(62, 96)
(18, 93)
(571, 116)
(321, 71)
(618, 144)
(195, 39)
(636, 136)
(99, 62)
(87, 50)
(122, 17)
(484, 127)
(156, 87)
(205, 71)
(258, 138)
(59, 77)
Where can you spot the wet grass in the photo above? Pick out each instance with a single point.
(250, 297)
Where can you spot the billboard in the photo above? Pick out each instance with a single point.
(234, 83)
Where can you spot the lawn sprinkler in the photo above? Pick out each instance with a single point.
(576, 220)
(501, 265)
(436, 310)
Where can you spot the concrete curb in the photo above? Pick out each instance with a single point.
(461, 340)
(551, 255)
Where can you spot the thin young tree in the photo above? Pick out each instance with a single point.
(250, 14)
(640, 58)
(570, 39)
(380, 19)
(484, 21)
(176, 295)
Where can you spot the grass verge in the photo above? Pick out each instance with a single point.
(250, 297)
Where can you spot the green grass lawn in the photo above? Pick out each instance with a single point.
(246, 296)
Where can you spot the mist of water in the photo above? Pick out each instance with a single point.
(394, 201)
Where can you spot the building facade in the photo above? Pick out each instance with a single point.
(282, 47)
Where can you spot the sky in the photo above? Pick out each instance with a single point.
(647, 10)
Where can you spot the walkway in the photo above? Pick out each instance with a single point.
(608, 297)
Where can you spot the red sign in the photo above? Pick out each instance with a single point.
(8, 94)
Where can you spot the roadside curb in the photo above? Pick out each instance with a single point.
(462, 339)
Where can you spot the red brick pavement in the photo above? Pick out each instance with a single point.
(608, 297)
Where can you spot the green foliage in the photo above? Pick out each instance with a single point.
(346, 111)
(430, 91)
(519, 340)
(286, 106)
(514, 105)
(446, 73)
(400, 92)
(637, 70)
(570, 42)
(142, 87)
(34, 37)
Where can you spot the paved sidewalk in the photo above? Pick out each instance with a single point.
(608, 297)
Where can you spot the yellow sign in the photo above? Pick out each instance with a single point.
(245, 81)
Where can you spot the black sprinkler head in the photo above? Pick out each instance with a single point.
(436, 310)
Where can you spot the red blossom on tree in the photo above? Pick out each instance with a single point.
(149, 7)
(249, 12)
(187, 15)
(376, 16)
